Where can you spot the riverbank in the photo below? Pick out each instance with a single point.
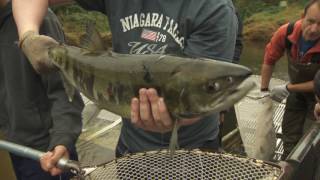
(260, 26)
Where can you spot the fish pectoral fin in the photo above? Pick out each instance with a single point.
(173, 145)
(69, 89)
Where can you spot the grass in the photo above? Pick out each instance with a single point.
(260, 26)
(74, 20)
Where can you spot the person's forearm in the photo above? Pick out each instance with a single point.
(29, 14)
(266, 73)
(301, 87)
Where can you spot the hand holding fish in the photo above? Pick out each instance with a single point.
(317, 112)
(36, 48)
(150, 113)
(49, 160)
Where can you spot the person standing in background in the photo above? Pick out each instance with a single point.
(300, 40)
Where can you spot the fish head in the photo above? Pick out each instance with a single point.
(208, 86)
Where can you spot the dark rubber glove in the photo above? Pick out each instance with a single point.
(36, 47)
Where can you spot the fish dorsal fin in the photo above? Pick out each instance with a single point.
(92, 40)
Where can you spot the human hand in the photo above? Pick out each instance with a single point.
(36, 47)
(49, 160)
(280, 92)
(259, 94)
(317, 112)
(150, 113)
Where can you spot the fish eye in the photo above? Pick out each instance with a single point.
(230, 79)
(213, 86)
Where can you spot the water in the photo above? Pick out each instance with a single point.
(252, 57)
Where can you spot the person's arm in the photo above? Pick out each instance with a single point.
(66, 122)
(266, 73)
(215, 37)
(301, 87)
(29, 14)
(316, 112)
(66, 116)
(273, 52)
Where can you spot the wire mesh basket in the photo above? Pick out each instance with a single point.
(185, 164)
(259, 120)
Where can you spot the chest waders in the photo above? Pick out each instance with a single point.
(299, 105)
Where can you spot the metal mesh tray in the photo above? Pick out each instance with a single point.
(185, 164)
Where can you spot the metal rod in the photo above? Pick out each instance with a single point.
(230, 135)
(305, 144)
(19, 150)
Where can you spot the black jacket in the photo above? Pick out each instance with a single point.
(34, 109)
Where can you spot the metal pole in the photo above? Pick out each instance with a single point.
(19, 150)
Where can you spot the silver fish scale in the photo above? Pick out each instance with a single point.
(185, 165)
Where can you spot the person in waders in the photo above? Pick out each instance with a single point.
(317, 115)
(300, 40)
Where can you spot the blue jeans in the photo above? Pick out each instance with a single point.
(28, 169)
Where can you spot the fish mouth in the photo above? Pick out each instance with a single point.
(226, 100)
(231, 97)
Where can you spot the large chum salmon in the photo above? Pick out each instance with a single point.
(191, 87)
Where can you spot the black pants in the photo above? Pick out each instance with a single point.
(28, 169)
(299, 106)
